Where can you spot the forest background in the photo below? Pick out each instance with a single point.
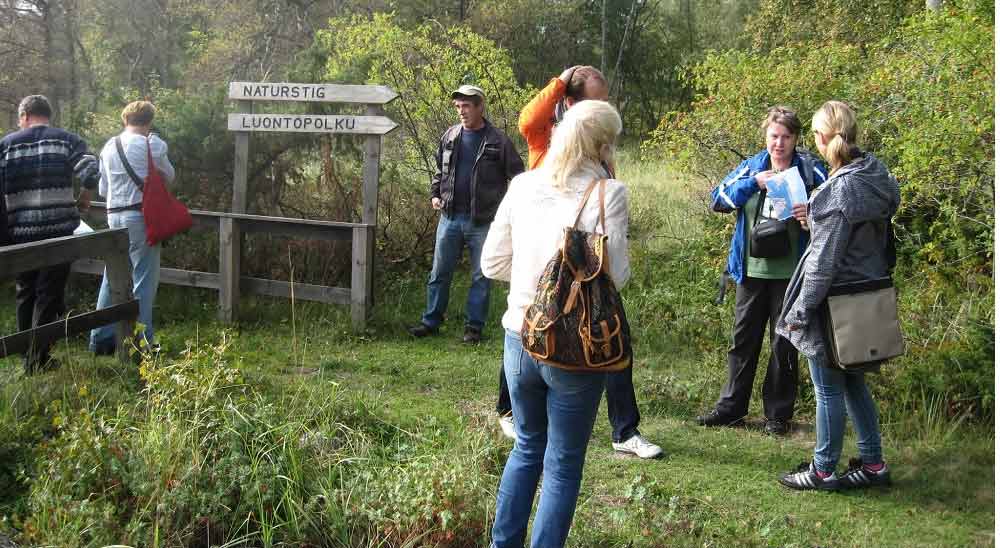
(691, 79)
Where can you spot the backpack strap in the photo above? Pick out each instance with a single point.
(586, 196)
(600, 198)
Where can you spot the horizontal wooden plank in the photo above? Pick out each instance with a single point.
(311, 123)
(172, 276)
(19, 342)
(258, 286)
(303, 292)
(203, 220)
(31, 256)
(313, 93)
(211, 218)
(296, 230)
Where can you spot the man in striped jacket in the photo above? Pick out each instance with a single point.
(38, 165)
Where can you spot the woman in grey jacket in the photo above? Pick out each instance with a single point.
(850, 221)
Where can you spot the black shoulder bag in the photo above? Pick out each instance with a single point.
(768, 238)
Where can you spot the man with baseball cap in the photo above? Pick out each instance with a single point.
(475, 163)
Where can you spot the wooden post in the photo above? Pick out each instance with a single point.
(229, 270)
(373, 153)
(369, 215)
(230, 237)
(240, 159)
(120, 283)
(361, 267)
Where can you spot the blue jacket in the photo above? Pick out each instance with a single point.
(737, 187)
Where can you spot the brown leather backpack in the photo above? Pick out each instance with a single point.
(577, 321)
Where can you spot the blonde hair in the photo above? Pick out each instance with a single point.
(138, 113)
(579, 138)
(836, 121)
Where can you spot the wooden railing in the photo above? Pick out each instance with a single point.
(230, 283)
(111, 247)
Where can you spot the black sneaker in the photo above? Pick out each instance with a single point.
(714, 418)
(422, 330)
(805, 478)
(776, 427)
(472, 335)
(857, 476)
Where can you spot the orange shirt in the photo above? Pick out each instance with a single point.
(536, 123)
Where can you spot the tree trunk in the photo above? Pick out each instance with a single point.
(604, 37)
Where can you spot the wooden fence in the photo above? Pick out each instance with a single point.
(111, 246)
(230, 284)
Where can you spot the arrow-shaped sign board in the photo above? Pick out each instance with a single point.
(314, 93)
(311, 123)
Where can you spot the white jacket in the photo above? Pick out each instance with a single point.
(528, 229)
(116, 185)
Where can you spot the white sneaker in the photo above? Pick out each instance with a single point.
(639, 446)
(507, 426)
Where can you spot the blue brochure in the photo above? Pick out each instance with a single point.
(783, 191)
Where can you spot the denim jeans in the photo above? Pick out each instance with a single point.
(835, 390)
(145, 277)
(623, 410)
(554, 412)
(454, 233)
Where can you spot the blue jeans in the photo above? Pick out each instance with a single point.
(554, 412)
(835, 390)
(145, 277)
(452, 234)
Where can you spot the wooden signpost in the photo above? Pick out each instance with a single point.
(373, 125)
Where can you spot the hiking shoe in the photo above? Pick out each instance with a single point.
(472, 335)
(422, 330)
(857, 476)
(805, 478)
(776, 427)
(507, 426)
(714, 418)
(638, 446)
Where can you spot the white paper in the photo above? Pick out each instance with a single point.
(83, 228)
(783, 191)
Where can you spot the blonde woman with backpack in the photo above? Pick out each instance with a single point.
(554, 409)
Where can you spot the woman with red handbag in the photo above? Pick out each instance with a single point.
(124, 166)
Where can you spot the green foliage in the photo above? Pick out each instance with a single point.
(423, 64)
(857, 22)
(925, 102)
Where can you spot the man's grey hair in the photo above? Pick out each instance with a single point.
(35, 105)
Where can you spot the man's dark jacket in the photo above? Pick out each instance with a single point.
(496, 164)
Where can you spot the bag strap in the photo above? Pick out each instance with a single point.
(128, 167)
(890, 246)
(586, 196)
(760, 207)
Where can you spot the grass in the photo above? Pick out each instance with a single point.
(403, 427)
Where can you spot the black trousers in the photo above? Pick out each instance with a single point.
(623, 410)
(40, 300)
(758, 303)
